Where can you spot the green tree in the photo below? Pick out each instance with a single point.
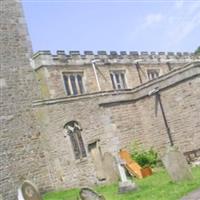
(197, 50)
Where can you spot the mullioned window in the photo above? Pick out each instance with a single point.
(73, 83)
(118, 80)
(74, 132)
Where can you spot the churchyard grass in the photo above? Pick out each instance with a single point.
(62, 195)
(159, 186)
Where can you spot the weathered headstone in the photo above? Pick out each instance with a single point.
(125, 185)
(96, 155)
(195, 195)
(176, 165)
(89, 194)
(28, 191)
(110, 168)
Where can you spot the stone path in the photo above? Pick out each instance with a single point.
(195, 195)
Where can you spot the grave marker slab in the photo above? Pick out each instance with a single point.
(110, 167)
(28, 191)
(89, 194)
(176, 165)
(125, 185)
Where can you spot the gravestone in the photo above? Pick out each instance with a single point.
(125, 185)
(110, 168)
(89, 194)
(28, 191)
(195, 195)
(96, 155)
(176, 165)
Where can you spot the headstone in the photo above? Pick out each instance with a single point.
(125, 185)
(89, 194)
(28, 191)
(1, 197)
(96, 155)
(195, 195)
(176, 165)
(110, 168)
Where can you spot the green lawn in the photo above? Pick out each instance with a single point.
(156, 187)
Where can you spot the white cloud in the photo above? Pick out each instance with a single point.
(149, 20)
(152, 19)
(172, 26)
(183, 22)
(179, 4)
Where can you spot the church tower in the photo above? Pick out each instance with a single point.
(21, 155)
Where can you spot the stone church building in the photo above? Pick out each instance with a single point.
(61, 114)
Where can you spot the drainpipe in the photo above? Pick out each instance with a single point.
(165, 119)
(138, 71)
(169, 66)
(95, 73)
(158, 99)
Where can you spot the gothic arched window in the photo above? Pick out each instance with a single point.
(74, 132)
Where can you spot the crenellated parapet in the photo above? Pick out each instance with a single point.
(42, 58)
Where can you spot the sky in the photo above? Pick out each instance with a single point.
(113, 25)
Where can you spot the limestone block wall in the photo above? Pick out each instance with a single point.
(20, 144)
(136, 120)
(118, 119)
(65, 170)
(50, 68)
(52, 84)
(32, 141)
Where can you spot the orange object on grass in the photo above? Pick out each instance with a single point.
(133, 167)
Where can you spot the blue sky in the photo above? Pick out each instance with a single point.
(131, 25)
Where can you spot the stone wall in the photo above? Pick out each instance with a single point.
(33, 142)
(137, 121)
(52, 83)
(116, 119)
(85, 57)
(20, 144)
(50, 68)
(66, 171)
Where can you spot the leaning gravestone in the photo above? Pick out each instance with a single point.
(125, 185)
(110, 168)
(176, 165)
(89, 194)
(28, 191)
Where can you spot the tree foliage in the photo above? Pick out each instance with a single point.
(197, 50)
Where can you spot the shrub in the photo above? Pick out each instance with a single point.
(144, 157)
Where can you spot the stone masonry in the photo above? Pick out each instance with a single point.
(21, 156)
(37, 106)
(114, 118)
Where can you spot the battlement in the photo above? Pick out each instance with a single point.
(115, 53)
(77, 58)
